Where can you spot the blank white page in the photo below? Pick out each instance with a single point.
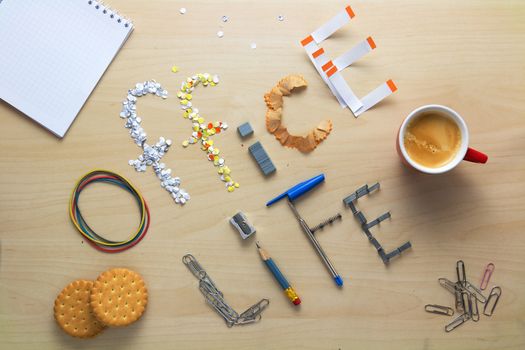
(53, 53)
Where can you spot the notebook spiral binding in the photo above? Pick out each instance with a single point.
(99, 6)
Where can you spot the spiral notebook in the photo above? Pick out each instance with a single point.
(53, 53)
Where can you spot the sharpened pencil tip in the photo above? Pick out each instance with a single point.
(257, 244)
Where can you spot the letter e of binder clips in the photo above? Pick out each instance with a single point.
(366, 226)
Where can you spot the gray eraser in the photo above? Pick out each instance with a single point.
(245, 130)
(261, 157)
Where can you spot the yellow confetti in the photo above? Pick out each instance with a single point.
(174, 69)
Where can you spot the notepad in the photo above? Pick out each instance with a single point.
(53, 53)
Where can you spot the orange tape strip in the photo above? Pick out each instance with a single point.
(331, 71)
(318, 53)
(307, 40)
(391, 85)
(350, 11)
(327, 65)
(371, 42)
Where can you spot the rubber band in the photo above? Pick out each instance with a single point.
(96, 240)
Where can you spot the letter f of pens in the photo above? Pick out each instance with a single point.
(279, 277)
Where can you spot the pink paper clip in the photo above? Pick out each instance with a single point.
(486, 276)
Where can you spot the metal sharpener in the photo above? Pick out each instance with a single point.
(240, 222)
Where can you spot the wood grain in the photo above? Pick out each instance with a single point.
(468, 55)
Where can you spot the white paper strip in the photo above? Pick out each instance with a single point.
(333, 25)
(379, 93)
(354, 54)
(343, 89)
(318, 59)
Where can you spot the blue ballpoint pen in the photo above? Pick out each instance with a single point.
(294, 193)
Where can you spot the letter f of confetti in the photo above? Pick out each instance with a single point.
(202, 130)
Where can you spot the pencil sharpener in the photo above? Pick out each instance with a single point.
(240, 222)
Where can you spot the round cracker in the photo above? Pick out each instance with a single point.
(73, 311)
(119, 297)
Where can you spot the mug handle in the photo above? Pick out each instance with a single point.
(475, 156)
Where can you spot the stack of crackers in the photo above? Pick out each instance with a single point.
(118, 297)
(274, 102)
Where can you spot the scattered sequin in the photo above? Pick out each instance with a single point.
(151, 155)
(203, 130)
(280, 18)
(174, 69)
(253, 46)
(182, 10)
(224, 18)
(220, 33)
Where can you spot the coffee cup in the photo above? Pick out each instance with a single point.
(434, 139)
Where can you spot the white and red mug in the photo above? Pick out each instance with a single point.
(464, 152)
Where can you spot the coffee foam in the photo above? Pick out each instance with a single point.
(432, 140)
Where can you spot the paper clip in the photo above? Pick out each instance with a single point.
(460, 270)
(458, 302)
(255, 309)
(448, 285)
(493, 299)
(476, 293)
(438, 309)
(486, 276)
(466, 303)
(456, 323)
(454, 288)
(475, 311)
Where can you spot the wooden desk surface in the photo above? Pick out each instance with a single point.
(468, 55)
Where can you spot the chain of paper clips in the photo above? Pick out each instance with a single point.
(215, 298)
(467, 297)
(95, 239)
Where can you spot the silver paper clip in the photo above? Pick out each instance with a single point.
(456, 323)
(492, 301)
(438, 309)
(475, 310)
(460, 270)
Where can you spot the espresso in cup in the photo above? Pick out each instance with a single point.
(432, 139)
